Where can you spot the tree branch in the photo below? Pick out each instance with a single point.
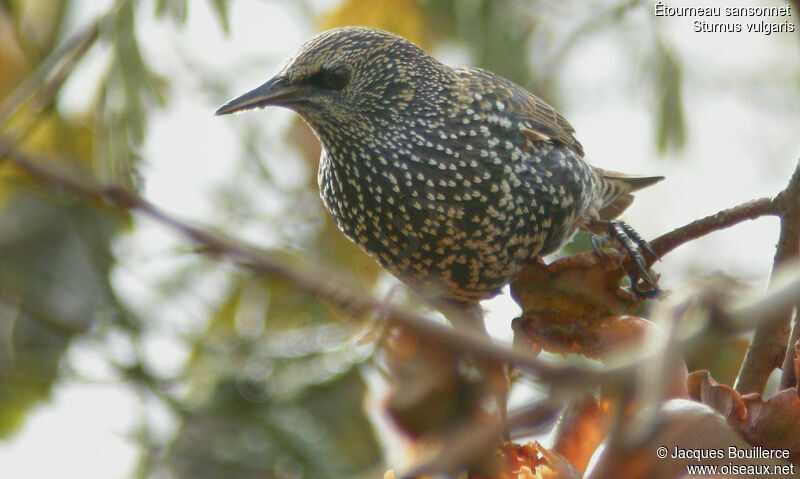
(788, 250)
(314, 283)
(563, 380)
(768, 348)
(788, 378)
(724, 219)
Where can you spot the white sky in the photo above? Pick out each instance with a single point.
(743, 144)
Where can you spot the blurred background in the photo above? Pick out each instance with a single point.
(127, 352)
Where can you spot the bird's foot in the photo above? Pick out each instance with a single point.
(625, 239)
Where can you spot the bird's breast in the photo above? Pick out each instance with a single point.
(458, 212)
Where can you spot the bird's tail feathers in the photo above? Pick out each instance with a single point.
(616, 191)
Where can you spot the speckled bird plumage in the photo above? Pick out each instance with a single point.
(451, 178)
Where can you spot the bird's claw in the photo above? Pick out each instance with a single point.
(630, 242)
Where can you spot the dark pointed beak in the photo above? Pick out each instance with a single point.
(274, 92)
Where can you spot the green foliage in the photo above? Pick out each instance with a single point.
(56, 251)
(221, 9)
(276, 389)
(126, 94)
(176, 9)
(242, 432)
(45, 17)
(497, 34)
(53, 286)
(670, 124)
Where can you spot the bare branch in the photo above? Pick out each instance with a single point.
(313, 282)
(788, 378)
(563, 378)
(724, 219)
(768, 348)
(788, 252)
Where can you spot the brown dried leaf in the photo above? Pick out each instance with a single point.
(430, 394)
(594, 339)
(774, 423)
(576, 305)
(532, 461)
(677, 425)
(582, 285)
(526, 461)
(581, 428)
(721, 398)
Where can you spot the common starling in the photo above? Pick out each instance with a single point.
(451, 178)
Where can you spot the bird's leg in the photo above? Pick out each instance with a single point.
(468, 317)
(630, 242)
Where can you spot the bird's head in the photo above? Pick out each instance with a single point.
(348, 75)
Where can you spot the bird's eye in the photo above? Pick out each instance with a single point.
(327, 79)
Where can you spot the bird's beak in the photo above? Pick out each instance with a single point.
(274, 92)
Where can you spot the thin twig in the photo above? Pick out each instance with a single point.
(43, 86)
(314, 283)
(27, 89)
(726, 218)
(563, 378)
